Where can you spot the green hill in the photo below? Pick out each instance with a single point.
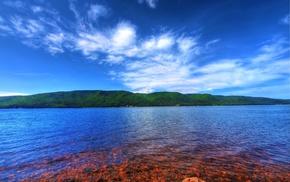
(79, 99)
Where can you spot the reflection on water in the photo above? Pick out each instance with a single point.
(146, 144)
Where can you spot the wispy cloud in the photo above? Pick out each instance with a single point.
(164, 64)
(55, 42)
(113, 60)
(44, 30)
(210, 43)
(266, 91)
(3, 26)
(150, 3)
(36, 9)
(96, 11)
(159, 43)
(285, 20)
(186, 43)
(272, 51)
(20, 5)
(162, 72)
(90, 43)
(26, 27)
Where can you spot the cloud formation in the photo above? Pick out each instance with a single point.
(124, 35)
(285, 20)
(36, 9)
(150, 3)
(165, 60)
(15, 4)
(96, 11)
(272, 51)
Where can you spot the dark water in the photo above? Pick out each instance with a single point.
(235, 143)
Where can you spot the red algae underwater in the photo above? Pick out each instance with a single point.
(168, 164)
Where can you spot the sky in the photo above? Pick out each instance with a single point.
(220, 47)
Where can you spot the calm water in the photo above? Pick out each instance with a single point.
(235, 143)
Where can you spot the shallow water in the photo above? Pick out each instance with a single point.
(223, 143)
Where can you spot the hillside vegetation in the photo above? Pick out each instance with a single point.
(79, 99)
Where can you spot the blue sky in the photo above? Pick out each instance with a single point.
(222, 47)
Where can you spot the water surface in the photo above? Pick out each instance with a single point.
(222, 143)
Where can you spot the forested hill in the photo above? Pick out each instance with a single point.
(79, 99)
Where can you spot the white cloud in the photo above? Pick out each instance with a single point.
(50, 31)
(154, 44)
(15, 4)
(17, 23)
(165, 42)
(186, 43)
(89, 43)
(219, 66)
(232, 76)
(112, 73)
(285, 20)
(149, 44)
(36, 9)
(157, 72)
(87, 46)
(152, 3)
(278, 67)
(42, 31)
(5, 94)
(124, 35)
(272, 51)
(54, 42)
(209, 43)
(162, 71)
(132, 51)
(112, 59)
(96, 11)
(4, 27)
(78, 17)
(55, 49)
(93, 57)
(55, 38)
(27, 27)
(34, 26)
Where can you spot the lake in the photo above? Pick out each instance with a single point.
(214, 143)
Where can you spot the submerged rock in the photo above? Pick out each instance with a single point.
(192, 179)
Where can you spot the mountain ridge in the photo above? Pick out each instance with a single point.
(121, 98)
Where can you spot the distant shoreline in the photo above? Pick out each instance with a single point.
(124, 99)
(121, 107)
